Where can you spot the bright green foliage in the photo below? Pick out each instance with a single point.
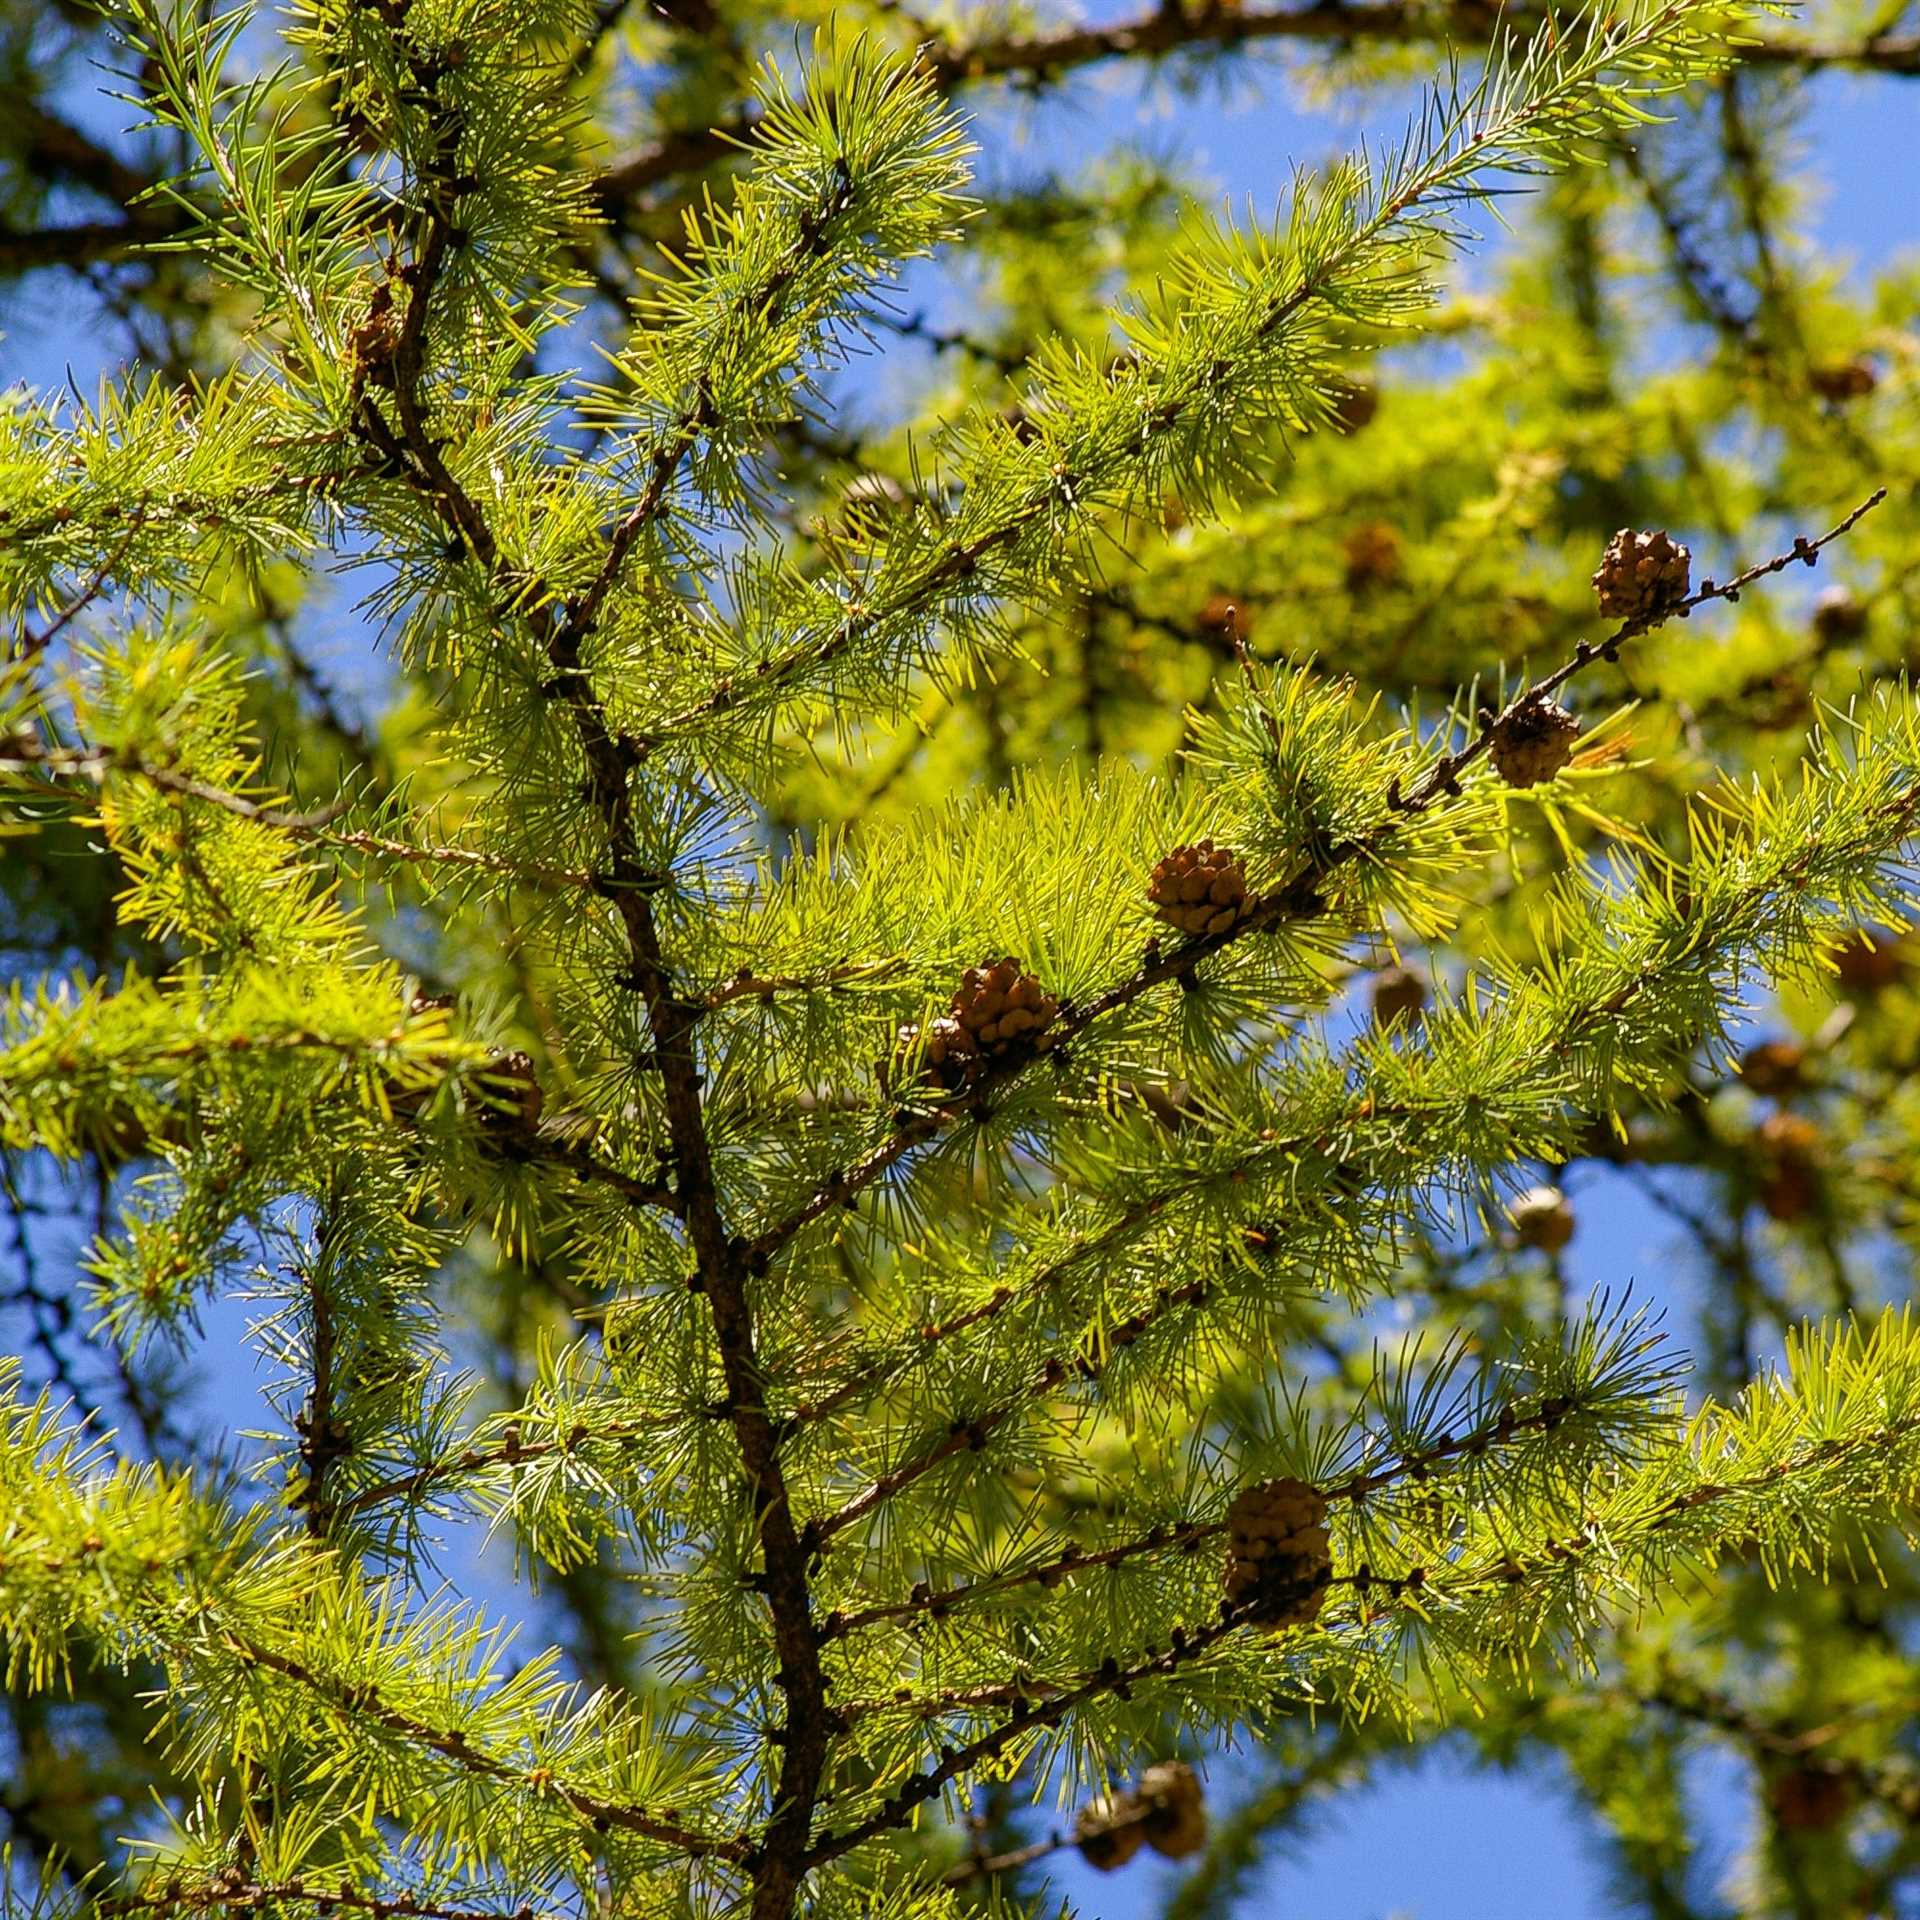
(546, 1066)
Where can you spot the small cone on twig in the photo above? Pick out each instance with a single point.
(998, 1005)
(1533, 742)
(1641, 575)
(1399, 994)
(1787, 1151)
(515, 1097)
(1109, 1831)
(1542, 1219)
(1843, 380)
(406, 1101)
(942, 1056)
(1806, 1798)
(1373, 556)
(1226, 619)
(1839, 614)
(374, 339)
(1870, 962)
(1279, 1565)
(1354, 406)
(1199, 888)
(1773, 1067)
(1176, 1811)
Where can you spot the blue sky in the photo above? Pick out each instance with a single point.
(1435, 1841)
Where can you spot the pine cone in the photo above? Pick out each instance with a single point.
(943, 1057)
(1788, 1157)
(408, 1102)
(623, 1332)
(1772, 1067)
(1354, 406)
(1373, 556)
(996, 1007)
(1225, 618)
(1199, 889)
(515, 1097)
(1398, 994)
(1843, 380)
(1868, 962)
(373, 339)
(1176, 1822)
(1542, 1219)
(1533, 743)
(1109, 1831)
(1278, 1562)
(1839, 615)
(1806, 1798)
(1641, 575)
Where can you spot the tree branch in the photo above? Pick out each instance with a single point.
(1297, 900)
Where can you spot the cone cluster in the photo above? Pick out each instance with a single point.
(374, 339)
(1165, 1811)
(1199, 889)
(1534, 742)
(1641, 575)
(1278, 1560)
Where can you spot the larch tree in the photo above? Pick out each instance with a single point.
(896, 1094)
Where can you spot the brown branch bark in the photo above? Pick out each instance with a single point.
(721, 1270)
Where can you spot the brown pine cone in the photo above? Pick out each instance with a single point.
(1809, 1797)
(1398, 994)
(1278, 1561)
(407, 1101)
(1109, 1831)
(1772, 1067)
(514, 1098)
(373, 339)
(1787, 1152)
(1843, 380)
(1542, 1219)
(1354, 406)
(942, 1057)
(997, 1006)
(1176, 1822)
(1373, 556)
(1199, 889)
(1641, 575)
(1839, 615)
(1533, 743)
(1226, 619)
(1868, 962)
